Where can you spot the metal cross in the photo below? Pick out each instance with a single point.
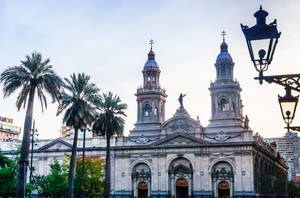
(223, 33)
(151, 43)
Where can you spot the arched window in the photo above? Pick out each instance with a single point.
(147, 109)
(141, 170)
(155, 111)
(224, 105)
(222, 169)
(153, 78)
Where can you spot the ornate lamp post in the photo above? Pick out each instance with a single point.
(34, 133)
(288, 104)
(84, 128)
(262, 40)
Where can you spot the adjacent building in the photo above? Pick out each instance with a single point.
(288, 147)
(65, 131)
(8, 131)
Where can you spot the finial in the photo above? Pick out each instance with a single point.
(151, 42)
(260, 7)
(223, 33)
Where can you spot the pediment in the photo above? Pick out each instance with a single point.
(180, 139)
(180, 124)
(57, 144)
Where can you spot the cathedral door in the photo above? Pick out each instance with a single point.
(223, 190)
(142, 190)
(182, 188)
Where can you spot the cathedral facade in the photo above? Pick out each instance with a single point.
(179, 157)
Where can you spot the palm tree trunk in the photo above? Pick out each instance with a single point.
(72, 165)
(107, 168)
(24, 153)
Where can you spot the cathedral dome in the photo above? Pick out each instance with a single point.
(224, 56)
(151, 63)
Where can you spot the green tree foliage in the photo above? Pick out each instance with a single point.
(8, 176)
(92, 181)
(8, 173)
(34, 76)
(56, 183)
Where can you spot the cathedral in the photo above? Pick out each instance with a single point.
(178, 157)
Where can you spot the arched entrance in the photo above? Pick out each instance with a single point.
(180, 178)
(182, 188)
(222, 180)
(142, 190)
(223, 190)
(141, 181)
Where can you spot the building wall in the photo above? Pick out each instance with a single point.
(202, 162)
(8, 131)
(288, 147)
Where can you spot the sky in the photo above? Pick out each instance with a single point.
(108, 40)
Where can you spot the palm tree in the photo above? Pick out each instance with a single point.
(78, 100)
(33, 75)
(109, 122)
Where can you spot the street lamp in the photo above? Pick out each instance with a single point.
(84, 128)
(34, 133)
(288, 104)
(262, 40)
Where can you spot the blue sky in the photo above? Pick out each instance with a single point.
(109, 41)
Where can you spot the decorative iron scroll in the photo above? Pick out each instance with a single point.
(288, 80)
(294, 128)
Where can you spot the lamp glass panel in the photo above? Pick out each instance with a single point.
(271, 49)
(258, 45)
(288, 107)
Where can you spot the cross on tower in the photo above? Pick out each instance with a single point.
(151, 43)
(223, 33)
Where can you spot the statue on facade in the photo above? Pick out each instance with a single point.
(180, 99)
(246, 122)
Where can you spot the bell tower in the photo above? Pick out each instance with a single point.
(226, 103)
(151, 100)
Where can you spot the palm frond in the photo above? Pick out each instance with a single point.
(110, 119)
(22, 97)
(33, 72)
(78, 100)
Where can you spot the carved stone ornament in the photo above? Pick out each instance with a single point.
(143, 139)
(222, 136)
(181, 125)
(58, 145)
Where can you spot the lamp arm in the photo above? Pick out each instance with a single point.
(294, 128)
(288, 80)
